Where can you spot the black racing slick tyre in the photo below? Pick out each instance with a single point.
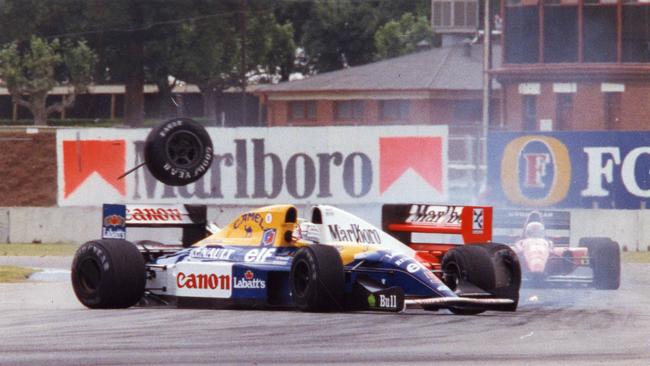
(605, 261)
(468, 263)
(178, 152)
(507, 274)
(317, 279)
(108, 274)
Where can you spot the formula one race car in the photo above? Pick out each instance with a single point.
(595, 262)
(268, 257)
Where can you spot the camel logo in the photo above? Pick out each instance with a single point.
(424, 155)
(536, 170)
(83, 158)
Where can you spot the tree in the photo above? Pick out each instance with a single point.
(30, 73)
(208, 52)
(342, 33)
(396, 38)
(282, 51)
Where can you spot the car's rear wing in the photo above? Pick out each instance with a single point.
(473, 223)
(192, 219)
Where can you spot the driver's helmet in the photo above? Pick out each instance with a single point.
(534, 230)
(307, 231)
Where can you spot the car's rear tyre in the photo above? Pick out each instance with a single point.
(492, 267)
(470, 263)
(605, 261)
(507, 274)
(178, 152)
(108, 274)
(317, 279)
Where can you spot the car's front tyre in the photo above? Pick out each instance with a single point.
(317, 279)
(108, 274)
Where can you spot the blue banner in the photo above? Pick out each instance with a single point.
(569, 169)
(114, 221)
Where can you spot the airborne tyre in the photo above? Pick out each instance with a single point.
(108, 274)
(469, 263)
(317, 279)
(605, 261)
(178, 152)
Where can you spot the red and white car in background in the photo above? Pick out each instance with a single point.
(595, 261)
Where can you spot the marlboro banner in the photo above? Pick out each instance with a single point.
(257, 166)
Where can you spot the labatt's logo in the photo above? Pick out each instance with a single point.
(249, 281)
(536, 171)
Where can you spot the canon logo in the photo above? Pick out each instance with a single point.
(203, 281)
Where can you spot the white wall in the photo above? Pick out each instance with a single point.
(623, 226)
(629, 228)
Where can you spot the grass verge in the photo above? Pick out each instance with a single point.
(15, 274)
(635, 257)
(37, 250)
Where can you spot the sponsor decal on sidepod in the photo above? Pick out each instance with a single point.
(249, 281)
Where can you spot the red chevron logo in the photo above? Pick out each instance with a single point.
(422, 154)
(82, 158)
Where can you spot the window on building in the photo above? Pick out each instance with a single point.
(522, 34)
(529, 112)
(454, 15)
(636, 33)
(563, 111)
(304, 110)
(612, 104)
(560, 33)
(394, 110)
(599, 33)
(348, 110)
(468, 112)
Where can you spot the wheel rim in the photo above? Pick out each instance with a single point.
(90, 274)
(302, 278)
(184, 149)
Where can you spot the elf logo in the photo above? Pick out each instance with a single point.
(536, 170)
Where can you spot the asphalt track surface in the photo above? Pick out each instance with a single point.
(41, 323)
